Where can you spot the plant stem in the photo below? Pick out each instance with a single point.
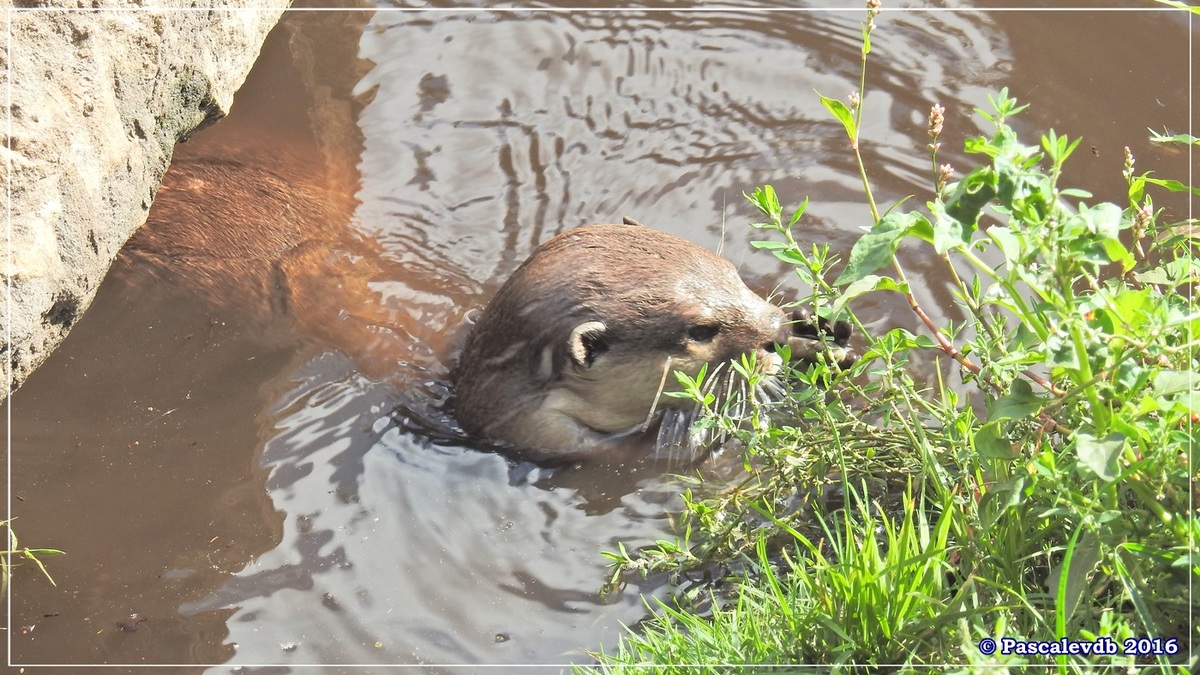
(862, 169)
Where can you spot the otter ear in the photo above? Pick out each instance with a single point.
(586, 342)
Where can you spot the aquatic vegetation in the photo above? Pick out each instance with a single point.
(14, 549)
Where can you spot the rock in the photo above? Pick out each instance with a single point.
(99, 99)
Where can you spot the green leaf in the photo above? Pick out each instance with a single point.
(1171, 273)
(769, 201)
(1156, 137)
(1131, 587)
(1103, 219)
(1001, 498)
(899, 339)
(1173, 185)
(979, 145)
(799, 212)
(1189, 318)
(991, 443)
(769, 245)
(1100, 455)
(1069, 580)
(1060, 352)
(790, 257)
(1058, 147)
(969, 196)
(876, 248)
(1004, 106)
(1019, 403)
(1116, 252)
(842, 112)
(1137, 189)
(1131, 308)
(685, 380)
(1131, 376)
(1186, 560)
(765, 200)
(863, 286)
(1011, 244)
(1168, 382)
(922, 229)
(948, 233)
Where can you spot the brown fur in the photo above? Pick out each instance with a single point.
(267, 234)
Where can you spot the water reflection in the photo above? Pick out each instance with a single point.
(396, 550)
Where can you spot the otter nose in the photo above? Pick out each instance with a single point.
(773, 328)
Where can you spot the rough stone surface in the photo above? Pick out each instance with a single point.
(98, 100)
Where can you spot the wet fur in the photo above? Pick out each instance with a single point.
(266, 234)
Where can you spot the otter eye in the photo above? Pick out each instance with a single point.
(703, 333)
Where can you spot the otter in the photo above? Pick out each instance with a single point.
(572, 356)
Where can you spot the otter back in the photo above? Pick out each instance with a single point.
(268, 235)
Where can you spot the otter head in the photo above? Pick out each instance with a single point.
(579, 344)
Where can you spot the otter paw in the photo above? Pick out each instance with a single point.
(814, 336)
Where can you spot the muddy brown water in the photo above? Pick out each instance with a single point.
(223, 459)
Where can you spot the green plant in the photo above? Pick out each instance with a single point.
(838, 589)
(1061, 489)
(30, 554)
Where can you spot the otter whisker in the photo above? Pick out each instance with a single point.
(768, 391)
(775, 293)
(673, 430)
(714, 380)
(771, 389)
